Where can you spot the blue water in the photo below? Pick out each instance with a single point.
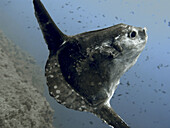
(143, 97)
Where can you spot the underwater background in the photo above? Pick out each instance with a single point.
(143, 97)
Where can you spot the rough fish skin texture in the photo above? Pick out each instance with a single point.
(84, 70)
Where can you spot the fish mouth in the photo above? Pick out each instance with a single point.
(142, 34)
(146, 36)
(145, 29)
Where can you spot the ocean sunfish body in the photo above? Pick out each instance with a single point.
(84, 70)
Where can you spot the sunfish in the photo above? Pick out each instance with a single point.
(84, 70)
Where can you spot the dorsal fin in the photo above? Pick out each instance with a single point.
(52, 34)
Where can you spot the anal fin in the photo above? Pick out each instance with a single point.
(108, 115)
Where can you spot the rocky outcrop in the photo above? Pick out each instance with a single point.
(21, 103)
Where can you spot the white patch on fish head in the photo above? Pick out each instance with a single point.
(129, 42)
(134, 38)
(132, 41)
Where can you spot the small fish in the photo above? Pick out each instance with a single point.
(84, 70)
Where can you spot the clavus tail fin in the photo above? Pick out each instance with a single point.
(52, 34)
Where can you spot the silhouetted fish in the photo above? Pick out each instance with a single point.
(84, 70)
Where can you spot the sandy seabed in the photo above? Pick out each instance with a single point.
(21, 86)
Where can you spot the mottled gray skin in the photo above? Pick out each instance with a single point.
(84, 70)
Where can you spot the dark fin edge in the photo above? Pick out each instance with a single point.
(109, 116)
(52, 34)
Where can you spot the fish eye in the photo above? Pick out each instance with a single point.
(133, 34)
